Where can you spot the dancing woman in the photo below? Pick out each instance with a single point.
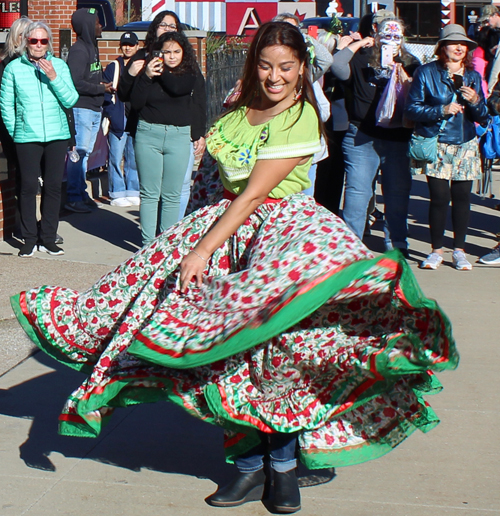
(291, 329)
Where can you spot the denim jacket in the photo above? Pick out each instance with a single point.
(430, 91)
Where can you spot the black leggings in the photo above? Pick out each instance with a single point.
(31, 156)
(441, 190)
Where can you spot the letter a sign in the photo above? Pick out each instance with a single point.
(249, 21)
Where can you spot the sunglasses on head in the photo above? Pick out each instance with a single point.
(34, 41)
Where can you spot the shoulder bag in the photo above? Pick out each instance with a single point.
(422, 148)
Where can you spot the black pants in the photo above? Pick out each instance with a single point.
(441, 190)
(31, 156)
(330, 174)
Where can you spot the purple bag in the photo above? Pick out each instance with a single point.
(390, 109)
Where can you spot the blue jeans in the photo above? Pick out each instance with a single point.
(312, 177)
(364, 155)
(186, 186)
(282, 448)
(87, 123)
(126, 183)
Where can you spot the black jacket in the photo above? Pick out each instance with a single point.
(430, 91)
(84, 63)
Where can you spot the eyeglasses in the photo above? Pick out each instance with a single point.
(34, 41)
(165, 26)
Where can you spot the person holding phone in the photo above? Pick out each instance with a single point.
(369, 148)
(446, 98)
(35, 90)
(164, 95)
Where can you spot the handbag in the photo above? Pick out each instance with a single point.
(489, 138)
(116, 75)
(425, 148)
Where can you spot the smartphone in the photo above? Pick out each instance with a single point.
(386, 56)
(157, 53)
(458, 81)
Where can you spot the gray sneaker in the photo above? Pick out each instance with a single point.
(492, 258)
(77, 207)
(433, 261)
(460, 261)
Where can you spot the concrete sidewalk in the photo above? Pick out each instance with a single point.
(155, 459)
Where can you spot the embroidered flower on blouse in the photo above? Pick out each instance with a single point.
(245, 156)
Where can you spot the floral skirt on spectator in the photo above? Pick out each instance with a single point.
(296, 328)
(455, 162)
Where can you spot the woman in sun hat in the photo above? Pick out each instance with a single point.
(449, 90)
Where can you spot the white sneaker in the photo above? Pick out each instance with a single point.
(134, 201)
(433, 261)
(460, 261)
(123, 202)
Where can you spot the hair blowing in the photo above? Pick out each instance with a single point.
(271, 34)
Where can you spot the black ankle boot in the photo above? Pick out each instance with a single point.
(286, 492)
(245, 487)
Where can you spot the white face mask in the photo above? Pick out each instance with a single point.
(392, 35)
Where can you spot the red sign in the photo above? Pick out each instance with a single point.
(244, 18)
(9, 12)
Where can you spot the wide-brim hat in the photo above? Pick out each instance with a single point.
(455, 33)
(487, 11)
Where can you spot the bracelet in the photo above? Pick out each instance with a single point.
(199, 256)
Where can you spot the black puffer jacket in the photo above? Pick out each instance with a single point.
(430, 91)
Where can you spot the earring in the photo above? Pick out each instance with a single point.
(298, 94)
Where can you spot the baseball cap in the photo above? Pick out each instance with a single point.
(129, 38)
(487, 11)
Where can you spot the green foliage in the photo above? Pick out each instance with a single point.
(222, 43)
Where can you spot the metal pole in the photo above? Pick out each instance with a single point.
(128, 10)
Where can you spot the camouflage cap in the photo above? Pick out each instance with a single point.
(487, 11)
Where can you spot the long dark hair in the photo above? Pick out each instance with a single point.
(268, 35)
(188, 63)
(151, 34)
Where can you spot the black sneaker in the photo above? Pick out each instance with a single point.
(52, 249)
(26, 250)
(90, 202)
(77, 207)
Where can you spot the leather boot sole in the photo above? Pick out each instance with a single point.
(287, 510)
(253, 495)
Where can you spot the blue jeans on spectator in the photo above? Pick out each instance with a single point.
(312, 177)
(364, 155)
(282, 450)
(186, 186)
(126, 183)
(87, 123)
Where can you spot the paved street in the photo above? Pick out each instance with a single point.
(156, 460)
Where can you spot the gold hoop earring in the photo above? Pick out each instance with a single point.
(298, 94)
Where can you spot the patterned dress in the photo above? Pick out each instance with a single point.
(296, 328)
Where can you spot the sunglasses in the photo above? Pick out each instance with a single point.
(34, 41)
(164, 25)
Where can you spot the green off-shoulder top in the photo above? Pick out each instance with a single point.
(237, 145)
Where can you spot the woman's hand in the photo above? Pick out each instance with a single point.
(48, 68)
(154, 68)
(453, 109)
(199, 147)
(192, 266)
(469, 94)
(136, 67)
(344, 41)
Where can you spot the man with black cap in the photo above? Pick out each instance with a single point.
(123, 185)
(86, 71)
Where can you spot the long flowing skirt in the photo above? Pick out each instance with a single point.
(297, 328)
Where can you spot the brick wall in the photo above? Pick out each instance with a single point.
(57, 15)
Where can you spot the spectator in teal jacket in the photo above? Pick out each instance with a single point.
(36, 89)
